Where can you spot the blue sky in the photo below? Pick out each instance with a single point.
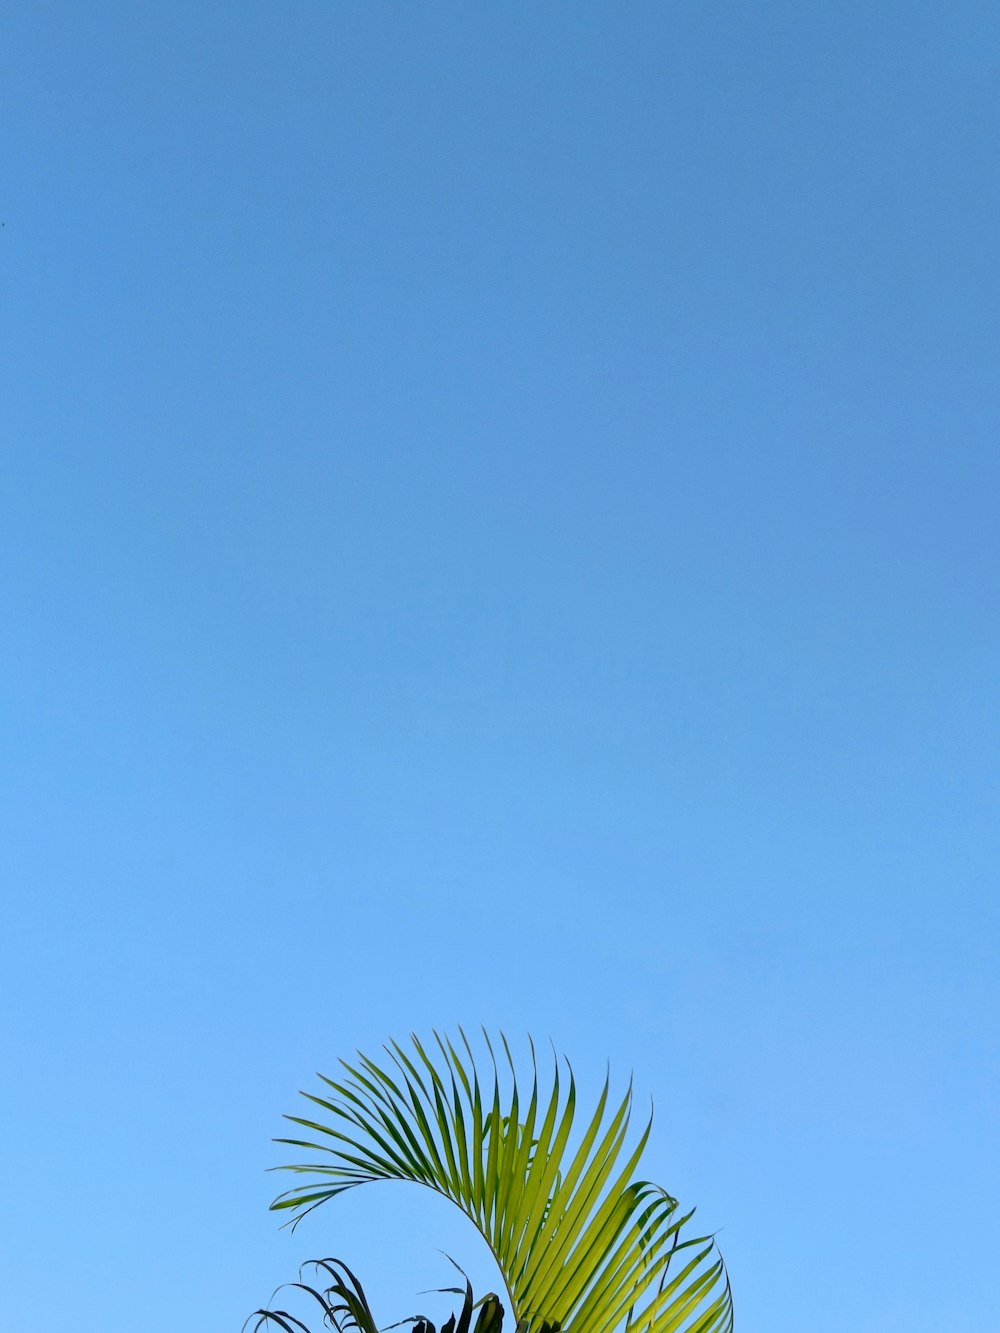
(499, 522)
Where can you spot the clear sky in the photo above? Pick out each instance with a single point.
(499, 525)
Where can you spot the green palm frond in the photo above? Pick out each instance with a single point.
(582, 1243)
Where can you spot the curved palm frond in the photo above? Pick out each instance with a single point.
(581, 1242)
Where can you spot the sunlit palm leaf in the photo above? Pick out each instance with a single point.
(581, 1242)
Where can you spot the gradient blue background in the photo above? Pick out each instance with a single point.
(500, 525)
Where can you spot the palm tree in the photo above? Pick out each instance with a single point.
(582, 1244)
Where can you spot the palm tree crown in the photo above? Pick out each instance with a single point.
(582, 1243)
